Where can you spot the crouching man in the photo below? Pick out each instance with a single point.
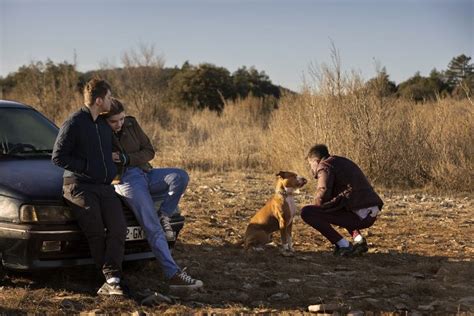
(344, 197)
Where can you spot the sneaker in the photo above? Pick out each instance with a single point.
(110, 289)
(360, 247)
(169, 232)
(182, 280)
(343, 251)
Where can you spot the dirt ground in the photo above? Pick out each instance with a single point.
(420, 261)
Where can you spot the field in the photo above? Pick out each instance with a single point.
(420, 261)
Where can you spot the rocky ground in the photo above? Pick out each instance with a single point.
(420, 262)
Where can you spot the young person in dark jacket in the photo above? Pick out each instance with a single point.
(344, 197)
(83, 148)
(138, 181)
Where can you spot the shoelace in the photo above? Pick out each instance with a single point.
(186, 277)
(165, 220)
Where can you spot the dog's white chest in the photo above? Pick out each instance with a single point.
(292, 206)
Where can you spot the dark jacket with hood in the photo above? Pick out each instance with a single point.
(341, 184)
(84, 148)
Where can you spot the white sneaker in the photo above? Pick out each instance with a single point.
(169, 232)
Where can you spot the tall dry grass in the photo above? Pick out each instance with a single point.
(208, 141)
(396, 142)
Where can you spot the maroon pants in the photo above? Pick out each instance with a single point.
(315, 217)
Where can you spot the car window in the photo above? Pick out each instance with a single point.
(25, 131)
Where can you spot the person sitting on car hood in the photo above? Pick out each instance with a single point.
(139, 181)
(83, 148)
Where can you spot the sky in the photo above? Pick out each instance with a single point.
(281, 37)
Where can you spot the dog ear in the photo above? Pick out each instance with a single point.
(281, 174)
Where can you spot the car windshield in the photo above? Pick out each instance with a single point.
(25, 132)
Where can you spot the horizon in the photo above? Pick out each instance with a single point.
(281, 38)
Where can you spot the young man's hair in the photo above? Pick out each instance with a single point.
(318, 151)
(116, 107)
(95, 88)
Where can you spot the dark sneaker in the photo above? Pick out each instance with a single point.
(182, 280)
(110, 289)
(360, 247)
(343, 251)
(166, 224)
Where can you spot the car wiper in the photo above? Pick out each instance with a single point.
(36, 152)
(29, 152)
(41, 151)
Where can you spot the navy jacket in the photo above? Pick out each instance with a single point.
(84, 148)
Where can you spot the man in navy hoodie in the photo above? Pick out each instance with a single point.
(84, 149)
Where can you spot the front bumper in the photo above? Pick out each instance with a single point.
(21, 245)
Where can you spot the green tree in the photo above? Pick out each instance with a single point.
(254, 82)
(202, 86)
(381, 84)
(50, 87)
(418, 88)
(459, 69)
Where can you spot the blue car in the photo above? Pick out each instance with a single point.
(37, 229)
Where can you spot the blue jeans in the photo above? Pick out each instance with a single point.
(139, 187)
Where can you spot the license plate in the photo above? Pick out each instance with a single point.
(135, 233)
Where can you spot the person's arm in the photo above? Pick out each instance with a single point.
(63, 149)
(146, 152)
(324, 187)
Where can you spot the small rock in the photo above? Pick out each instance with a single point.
(155, 299)
(279, 297)
(323, 307)
(372, 300)
(247, 286)
(401, 306)
(426, 307)
(355, 313)
(67, 305)
(294, 280)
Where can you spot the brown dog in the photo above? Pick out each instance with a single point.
(277, 214)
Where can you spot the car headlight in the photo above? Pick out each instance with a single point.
(45, 214)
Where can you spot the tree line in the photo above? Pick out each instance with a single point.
(456, 81)
(209, 86)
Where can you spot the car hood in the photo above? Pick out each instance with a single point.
(31, 179)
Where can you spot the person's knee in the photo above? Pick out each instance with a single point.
(183, 177)
(306, 213)
(310, 214)
(178, 179)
